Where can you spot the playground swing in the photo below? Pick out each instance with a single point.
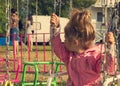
(5, 78)
(57, 10)
(108, 80)
(54, 65)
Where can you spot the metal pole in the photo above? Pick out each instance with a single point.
(71, 6)
(36, 30)
(7, 36)
(18, 7)
(104, 22)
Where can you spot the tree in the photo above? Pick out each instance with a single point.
(2, 16)
(83, 3)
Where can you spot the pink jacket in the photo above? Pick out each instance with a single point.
(84, 68)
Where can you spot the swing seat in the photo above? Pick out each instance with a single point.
(4, 76)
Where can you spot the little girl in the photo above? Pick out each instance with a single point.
(79, 52)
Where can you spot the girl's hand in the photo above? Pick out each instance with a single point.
(110, 38)
(54, 20)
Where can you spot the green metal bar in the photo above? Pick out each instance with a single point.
(30, 84)
(24, 73)
(56, 70)
(31, 63)
(36, 72)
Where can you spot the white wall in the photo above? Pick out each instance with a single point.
(41, 24)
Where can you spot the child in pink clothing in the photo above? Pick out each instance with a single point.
(79, 52)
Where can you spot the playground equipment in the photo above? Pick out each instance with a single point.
(35, 65)
(52, 77)
(107, 79)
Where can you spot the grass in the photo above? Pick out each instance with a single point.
(41, 54)
(61, 81)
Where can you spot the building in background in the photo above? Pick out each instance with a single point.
(101, 11)
(39, 31)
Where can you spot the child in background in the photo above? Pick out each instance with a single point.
(79, 52)
(28, 35)
(14, 30)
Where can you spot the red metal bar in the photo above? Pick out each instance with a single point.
(14, 48)
(36, 47)
(28, 49)
(21, 49)
(44, 46)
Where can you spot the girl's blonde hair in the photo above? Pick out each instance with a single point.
(80, 27)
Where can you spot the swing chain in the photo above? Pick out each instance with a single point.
(8, 7)
(113, 27)
(103, 60)
(57, 9)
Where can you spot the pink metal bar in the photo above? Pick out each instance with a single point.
(36, 48)
(21, 49)
(14, 50)
(17, 72)
(29, 49)
(44, 46)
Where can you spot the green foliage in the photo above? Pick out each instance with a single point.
(83, 3)
(2, 16)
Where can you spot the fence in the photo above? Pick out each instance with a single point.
(30, 50)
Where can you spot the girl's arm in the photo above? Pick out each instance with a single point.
(59, 47)
(56, 43)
